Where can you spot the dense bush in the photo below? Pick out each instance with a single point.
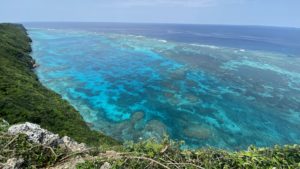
(23, 98)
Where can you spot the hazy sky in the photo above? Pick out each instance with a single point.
(240, 12)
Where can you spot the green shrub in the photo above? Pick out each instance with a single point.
(168, 154)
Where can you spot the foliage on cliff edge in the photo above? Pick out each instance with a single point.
(146, 154)
(167, 155)
(23, 98)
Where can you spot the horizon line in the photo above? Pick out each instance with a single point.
(161, 23)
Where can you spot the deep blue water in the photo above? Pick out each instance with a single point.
(222, 86)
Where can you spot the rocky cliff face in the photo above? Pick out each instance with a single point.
(24, 98)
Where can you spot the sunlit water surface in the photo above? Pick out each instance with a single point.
(137, 87)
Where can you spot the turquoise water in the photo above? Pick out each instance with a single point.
(135, 87)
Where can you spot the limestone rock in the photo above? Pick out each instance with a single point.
(13, 163)
(73, 145)
(35, 133)
(42, 136)
(106, 165)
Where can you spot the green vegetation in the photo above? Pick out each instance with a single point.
(167, 154)
(146, 154)
(34, 155)
(23, 98)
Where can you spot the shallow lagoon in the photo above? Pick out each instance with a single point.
(136, 87)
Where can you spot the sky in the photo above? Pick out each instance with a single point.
(230, 12)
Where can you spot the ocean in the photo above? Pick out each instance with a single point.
(208, 85)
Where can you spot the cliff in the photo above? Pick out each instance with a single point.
(23, 98)
(49, 143)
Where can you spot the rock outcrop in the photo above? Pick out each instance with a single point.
(106, 165)
(13, 163)
(35, 134)
(42, 136)
(73, 145)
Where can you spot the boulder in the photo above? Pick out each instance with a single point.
(42, 136)
(73, 145)
(13, 163)
(106, 165)
(35, 133)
